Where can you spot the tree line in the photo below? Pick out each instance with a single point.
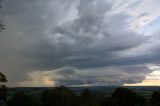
(63, 96)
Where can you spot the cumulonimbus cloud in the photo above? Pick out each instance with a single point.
(89, 37)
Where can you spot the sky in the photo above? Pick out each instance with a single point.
(80, 42)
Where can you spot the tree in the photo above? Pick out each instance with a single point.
(21, 99)
(127, 97)
(59, 96)
(141, 101)
(124, 97)
(3, 89)
(87, 95)
(3, 78)
(3, 94)
(106, 101)
(156, 95)
(87, 99)
(2, 26)
(155, 100)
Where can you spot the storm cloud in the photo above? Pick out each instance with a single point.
(77, 42)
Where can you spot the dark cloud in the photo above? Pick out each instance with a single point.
(87, 41)
(79, 40)
(100, 76)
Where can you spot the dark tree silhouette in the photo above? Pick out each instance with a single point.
(3, 78)
(21, 99)
(106, 101)
(3, 94)
(3, 89)
(59, 96)
(156, 95)
(87, 99)
(86, 94)
(155, 101)
(2, 26)
(141, 101)
(124, 97)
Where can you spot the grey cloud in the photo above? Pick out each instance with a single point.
(134, 4)
(43, 35)
(102, 76)
(87, 41)
(26, 23)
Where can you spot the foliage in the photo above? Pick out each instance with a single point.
(2, 78)
(2, 26)
(62, 96)
(155, 101)
(127, 97)
(59, 96)
(3, 89)
(3, 94)
(86, 98)
(21, 99)
(124, 97)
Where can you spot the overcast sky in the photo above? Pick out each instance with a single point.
(80, 42)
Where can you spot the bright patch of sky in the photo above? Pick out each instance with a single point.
(151, 27)
(37, 79)
(152, 79)
(145, 14)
